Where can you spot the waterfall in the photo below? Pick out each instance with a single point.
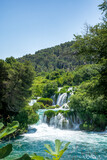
(59, 121)
(59, 88)
(33, 101)
(62, 98)
(53, 98)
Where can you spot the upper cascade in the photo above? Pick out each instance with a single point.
(63, 98)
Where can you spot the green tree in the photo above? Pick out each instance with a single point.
(103, 7)
(49, 89)
(15, 82)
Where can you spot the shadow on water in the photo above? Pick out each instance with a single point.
(31, 130)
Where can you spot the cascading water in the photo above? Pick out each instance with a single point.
(62, 122)
(62, 98)
(59, 121)
(33, 101)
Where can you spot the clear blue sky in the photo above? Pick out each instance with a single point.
(30, 25)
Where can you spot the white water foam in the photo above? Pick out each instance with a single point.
(44, 132)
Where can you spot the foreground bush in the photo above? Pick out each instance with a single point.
(5, 131)
(25, 117)
(91, 108)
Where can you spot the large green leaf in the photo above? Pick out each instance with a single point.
(63, 150)
(34, 156)
(58, 144)
(66, 145)
(24, 157)
(3, 133)
(14, 124)
(61, 153)
(5, 151)
(47, 158)
(11, 127)
(58, 153)
(10, 130)
(7, 131)
(50, 151)
(37, 158)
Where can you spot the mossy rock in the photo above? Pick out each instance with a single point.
(41, 105)
(49, 113)
(45, 101)
(64, 89)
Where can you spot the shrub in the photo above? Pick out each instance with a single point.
(99, 120)
(22, 118)
(45, 101)
(33, 118)
(47, 105)
(68, 79)
(25, 117)
(57, 106)
(85, 73)
(49, 113)
(88, 127)
(65, 113)
(36, 106)
(50, 107)
(53, 75)
(64, 89)
(41, 105)
(49, 89)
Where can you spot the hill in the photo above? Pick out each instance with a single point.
(58, 57)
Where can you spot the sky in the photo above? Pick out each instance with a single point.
(27, 26)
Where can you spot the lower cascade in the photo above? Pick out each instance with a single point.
(62, 122)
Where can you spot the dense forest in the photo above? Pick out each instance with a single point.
(59, 57)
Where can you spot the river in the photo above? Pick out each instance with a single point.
(84, 145)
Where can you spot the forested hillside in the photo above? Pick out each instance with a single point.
(59, 57)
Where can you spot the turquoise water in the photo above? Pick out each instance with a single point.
(84, 145)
